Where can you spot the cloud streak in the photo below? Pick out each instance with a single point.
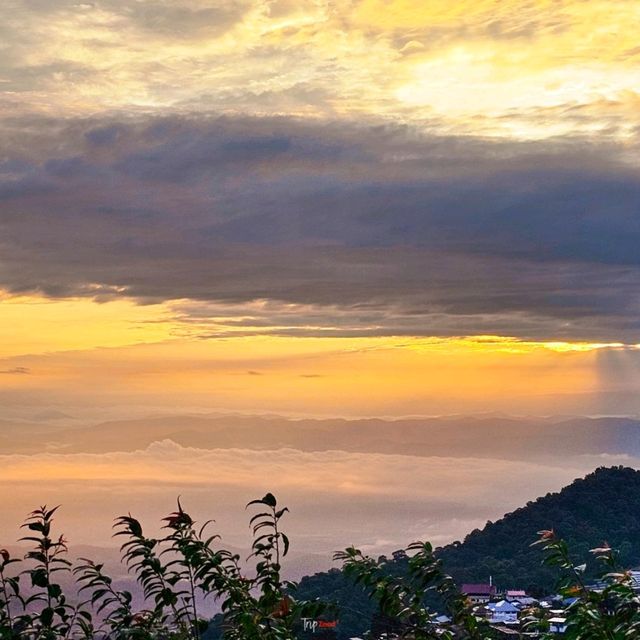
(16, 371)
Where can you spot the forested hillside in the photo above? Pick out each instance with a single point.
(603, 506)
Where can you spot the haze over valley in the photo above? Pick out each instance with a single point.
(378, 483)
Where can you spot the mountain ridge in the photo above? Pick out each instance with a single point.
(467, 436)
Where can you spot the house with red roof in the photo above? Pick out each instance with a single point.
(479, 593)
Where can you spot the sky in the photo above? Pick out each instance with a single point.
(283, 205)
(315, 208)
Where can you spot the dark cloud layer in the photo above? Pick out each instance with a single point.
(369, 230)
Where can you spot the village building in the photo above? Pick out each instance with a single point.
(479, 593)
(504, 611)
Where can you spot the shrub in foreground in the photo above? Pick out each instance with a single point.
(175, 572)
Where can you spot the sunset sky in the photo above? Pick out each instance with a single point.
(358, 207)
(313, 208)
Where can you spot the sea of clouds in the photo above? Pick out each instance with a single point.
(379, 502)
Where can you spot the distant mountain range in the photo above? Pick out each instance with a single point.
(459, 436)
(603, 506)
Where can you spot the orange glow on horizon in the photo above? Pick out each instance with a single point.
(80, 347)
